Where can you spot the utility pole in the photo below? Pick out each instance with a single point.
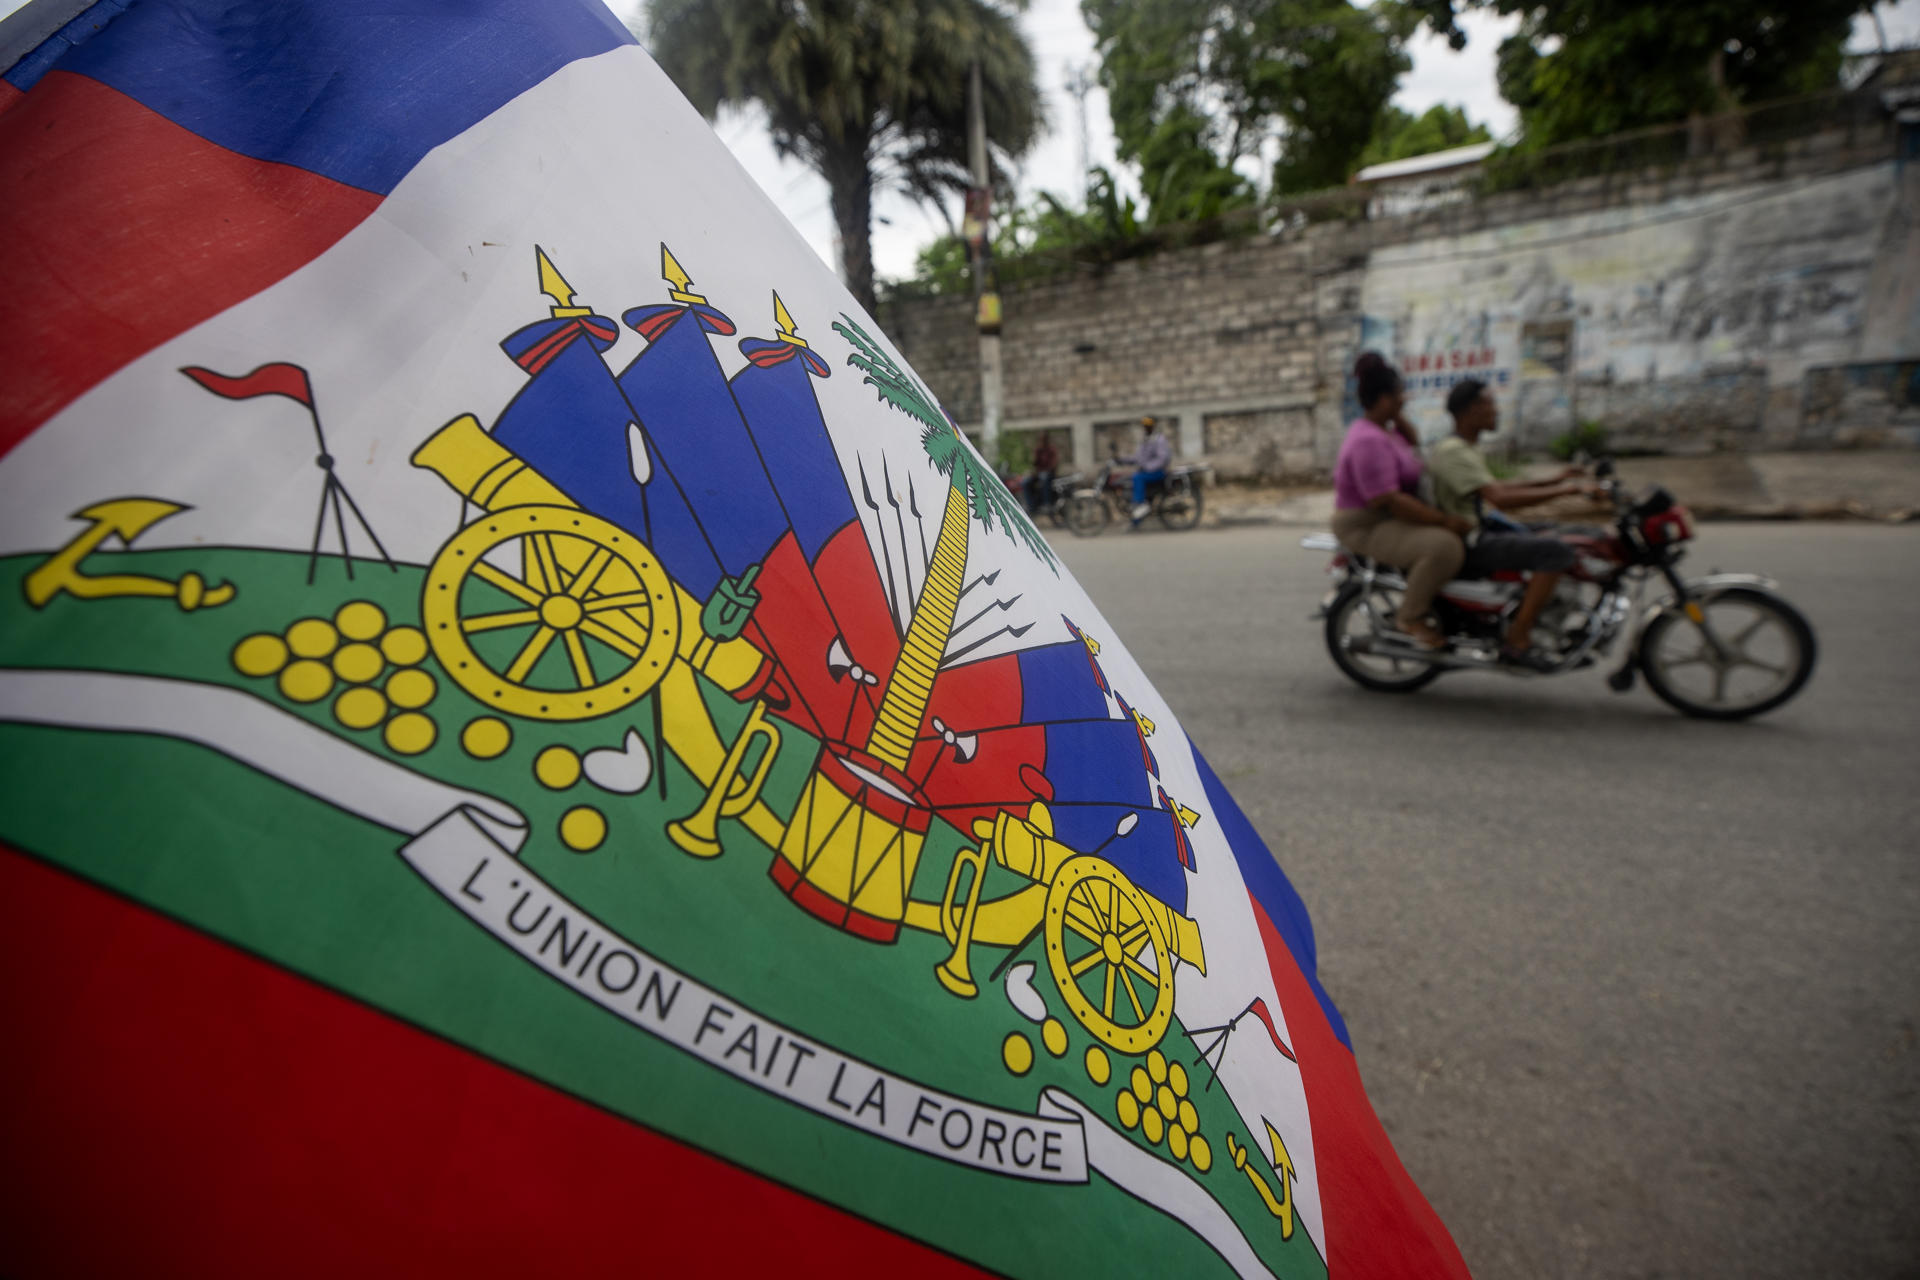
(978, 229)
(1080, 83)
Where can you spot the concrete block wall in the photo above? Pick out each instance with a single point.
(1705, 300)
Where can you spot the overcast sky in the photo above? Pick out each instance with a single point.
(1061, 42)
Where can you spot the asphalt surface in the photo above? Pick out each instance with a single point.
(1635, 995)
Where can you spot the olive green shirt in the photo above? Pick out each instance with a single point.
(1459, 471)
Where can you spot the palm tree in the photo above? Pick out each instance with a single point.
(974, 492)
(865, 92)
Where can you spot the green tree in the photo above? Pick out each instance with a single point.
(1038, 237)
(974, 492)
(1586, 68)
(866, 94)
(1401, 134)
(1195, 89)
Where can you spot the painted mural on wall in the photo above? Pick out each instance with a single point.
(1762, 281)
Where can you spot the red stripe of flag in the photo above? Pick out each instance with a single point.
(288, 380)
(1378, 1225)
(123, 229)
(176, 1107)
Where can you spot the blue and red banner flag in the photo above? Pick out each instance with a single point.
(605, 778)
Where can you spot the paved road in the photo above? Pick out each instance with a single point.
(1636, 996)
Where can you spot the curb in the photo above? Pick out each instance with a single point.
(1833, 512)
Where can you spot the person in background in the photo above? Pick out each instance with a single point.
(1464, 486)
(1375, 511)
(1046, 461)
(1150, 465)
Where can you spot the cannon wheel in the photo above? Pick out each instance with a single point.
(1097, 926)
(616, 645)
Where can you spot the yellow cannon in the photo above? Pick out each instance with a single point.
(582, 582)
(1110, 946)
(596, 590)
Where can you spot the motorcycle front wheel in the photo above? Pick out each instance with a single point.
(1353, 615)
(1180, 504)
(1087, 514)
(1766, 655)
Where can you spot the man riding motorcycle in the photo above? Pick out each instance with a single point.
(1150, 465)
(1464, 485)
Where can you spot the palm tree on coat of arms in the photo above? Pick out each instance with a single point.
(974, 493)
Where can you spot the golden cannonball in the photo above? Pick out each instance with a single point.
(557, 767)
(412, 688)
(1099, 1069)
(1169, 1105)
(1177, 1143)
(404, 646)
(358, 663)
(260, 655)
(582, 828)
(360, 707)
(1177, 1079)
(312, 638)
(1189, 1118)
(1054, 1036)
(1017, 1052)
(306, 680)
(410, 733)
(1127, 1107)
(1200, 1153)
(1142, 1087)
(360, 620)
(486, 737)
(1152, 1127)
(1157, 1066)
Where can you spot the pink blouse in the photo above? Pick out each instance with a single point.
(1374, 460)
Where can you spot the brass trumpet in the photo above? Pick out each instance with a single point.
(730, 796)
(1025, 846)
(956, 971)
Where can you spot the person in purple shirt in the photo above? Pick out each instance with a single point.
(1375, 512)
(1150, 465)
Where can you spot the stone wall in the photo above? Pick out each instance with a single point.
(1229, 327)
(1723, 304)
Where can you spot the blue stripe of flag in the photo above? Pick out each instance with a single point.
(355, 90)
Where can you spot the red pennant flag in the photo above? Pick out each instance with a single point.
(1259, 1010)
(288, 380)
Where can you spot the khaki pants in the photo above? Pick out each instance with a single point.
(1426, 553)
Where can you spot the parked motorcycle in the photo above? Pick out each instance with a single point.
(1175, 500)
(1723, 647)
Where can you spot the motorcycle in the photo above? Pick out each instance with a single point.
(1722, 647)
(1175, 499)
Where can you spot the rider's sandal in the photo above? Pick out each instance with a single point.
(1531, 659)
(1435, 644)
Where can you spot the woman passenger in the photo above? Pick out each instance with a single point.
(1375, 512)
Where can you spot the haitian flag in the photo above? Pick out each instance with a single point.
(530, 740)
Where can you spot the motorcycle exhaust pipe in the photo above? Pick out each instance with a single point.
(1450, 660)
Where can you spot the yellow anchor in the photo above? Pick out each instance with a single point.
(126, 518)
(1282, 1207)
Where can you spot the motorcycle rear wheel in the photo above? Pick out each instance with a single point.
(1765, 634)
(1087, 514)
(1180, 504)
(1346, 619)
